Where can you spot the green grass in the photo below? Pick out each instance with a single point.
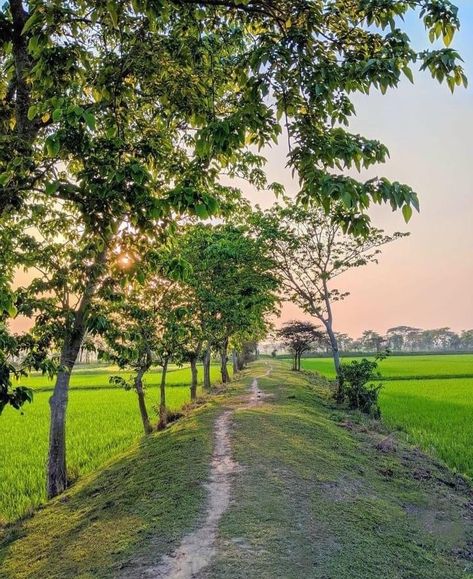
(137, 506)
(102, 421)
(425, 397)
(316, 500)
(98, 377)
(405, 367)
(437, 414)
(313, 498)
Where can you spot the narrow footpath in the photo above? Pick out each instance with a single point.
(198, 548)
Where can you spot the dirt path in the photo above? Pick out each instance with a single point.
(198, 548)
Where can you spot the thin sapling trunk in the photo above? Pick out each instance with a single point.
(207, 381)
(223, 362)
(148, 429)
(194, 377)
(163, 418)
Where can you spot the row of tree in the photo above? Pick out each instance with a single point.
(409, 339)
(398, 339)
(118, 119)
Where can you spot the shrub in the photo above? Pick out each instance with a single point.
(357, 388)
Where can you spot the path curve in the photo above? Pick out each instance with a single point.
(198, 548)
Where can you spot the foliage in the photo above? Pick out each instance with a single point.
(10, 394)
(356, 386)
(79, 68)
(232, 282)
(299, 337)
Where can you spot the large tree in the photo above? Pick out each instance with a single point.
(311, 250)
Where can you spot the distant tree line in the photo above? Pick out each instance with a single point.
(401, 339)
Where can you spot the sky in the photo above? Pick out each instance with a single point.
(425, 280)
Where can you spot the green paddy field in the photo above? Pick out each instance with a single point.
(103, 420)
(430, 398)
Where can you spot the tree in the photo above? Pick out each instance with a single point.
(345, 343)
(466, 340)
(372, 341)
(308, 57)
(299, 337)
(233, 284)
(311, 250)
(134, 314)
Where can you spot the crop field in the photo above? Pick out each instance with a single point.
(406, 367)
(436, 414)
(428, 397)
(103, 420)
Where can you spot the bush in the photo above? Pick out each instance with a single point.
(356, 387)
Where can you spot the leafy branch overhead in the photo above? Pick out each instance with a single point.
(199, 82)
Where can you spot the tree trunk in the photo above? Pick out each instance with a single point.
(207, 382)
(223, 362)
(235, 362)
(194, 374)
(163, 418)
(141, 402)
(334, 346)
(56, 481)
(56, 475)
(240, 362)
(339, 396)
(57, 471)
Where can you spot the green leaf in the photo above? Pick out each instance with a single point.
(201, 211)
(53, 145)
(89, 120)
(112, 9)
(407, 213)
(52, 187)
(408, 72)
(12, 311)
(32, 112)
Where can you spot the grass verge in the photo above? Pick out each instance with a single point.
(319, 494)
(134, 508)
(102, 421)
(322, 494)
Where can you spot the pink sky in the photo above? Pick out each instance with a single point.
(425, 280)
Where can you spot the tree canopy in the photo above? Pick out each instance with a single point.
(141, 89)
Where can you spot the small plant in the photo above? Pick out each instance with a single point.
(356, 386)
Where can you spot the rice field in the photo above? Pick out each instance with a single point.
(430, 398)
(436, 414)
(103, 420)
(405, 367)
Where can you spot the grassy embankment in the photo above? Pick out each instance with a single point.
(316, 497)
(426, 397)
(103, 420)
